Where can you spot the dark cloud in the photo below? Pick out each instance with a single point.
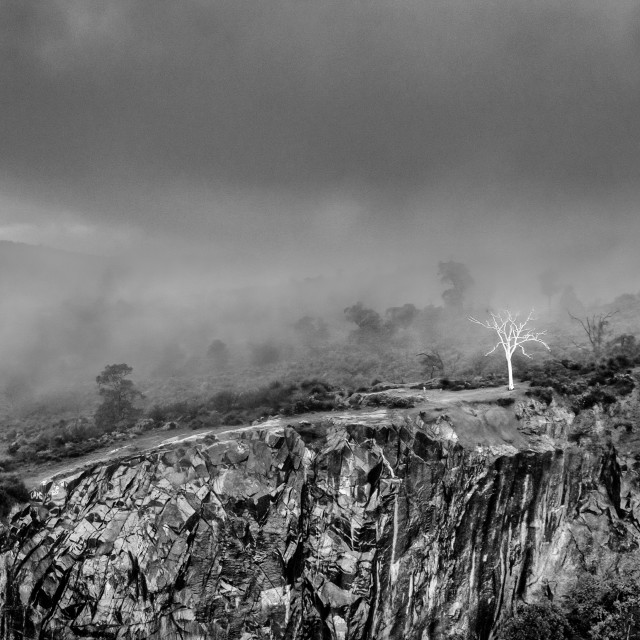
(308, 93)
(361, 123)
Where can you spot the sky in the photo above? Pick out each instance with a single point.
(292, 138)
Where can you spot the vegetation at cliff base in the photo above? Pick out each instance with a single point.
(537, 622)
(597, 608)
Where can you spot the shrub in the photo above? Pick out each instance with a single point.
(7, 464)
(158, 414)
(544, 394)
(537, 622)
(224, 401)
(26, 453)
(272, 397)
(314, 385)
(232, 419)
(584, 385)
(605, 608)
(597, 395)
(12, 491)
(623, 384)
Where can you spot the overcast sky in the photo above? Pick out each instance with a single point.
(306, 136)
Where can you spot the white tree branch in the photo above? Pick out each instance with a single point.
(492, 350)
(511, 334)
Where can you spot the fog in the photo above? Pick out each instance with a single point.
(218, 170)
(68, 314)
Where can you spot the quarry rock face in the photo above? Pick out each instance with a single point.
(424, 523)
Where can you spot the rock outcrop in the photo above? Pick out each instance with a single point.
(423, 523)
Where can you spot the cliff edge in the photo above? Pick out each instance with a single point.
(421, 523)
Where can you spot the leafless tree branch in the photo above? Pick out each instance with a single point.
(512, 334)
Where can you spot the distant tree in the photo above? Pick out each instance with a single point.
(432, 362)
(597, 330)
(627, 302)
(368, 321)
(549, 284)
(171, 360)
(457, 275)
(119, 396)
(570, 302)
(311, 331)
(512, 335)
(401, 317)
(218, 353)
(625, 345)
(265, 353)
(433, 324)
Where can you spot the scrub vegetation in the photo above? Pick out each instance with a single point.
(216, 377)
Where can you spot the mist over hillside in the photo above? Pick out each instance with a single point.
(68, 314)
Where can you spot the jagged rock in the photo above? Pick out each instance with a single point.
(374, 524)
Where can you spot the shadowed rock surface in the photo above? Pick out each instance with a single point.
(418, 523)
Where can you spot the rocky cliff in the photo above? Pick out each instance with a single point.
(419, 523)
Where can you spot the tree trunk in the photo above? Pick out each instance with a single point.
(510, 373)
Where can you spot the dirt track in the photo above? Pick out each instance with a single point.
(434, 398)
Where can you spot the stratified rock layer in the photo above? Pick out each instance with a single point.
(388, 524)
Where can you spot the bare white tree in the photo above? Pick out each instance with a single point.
(512, 334)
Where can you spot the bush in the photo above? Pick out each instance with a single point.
(272, 397)
(218, 353)
(623, 384)
(605, 608)
(233, 419)
(12, 491)
(224, 401)
(584, 385)
(597, 395)
(537, 622)
(544, 394)
(314, 385)
(7, 464)
(158, 414)
(183, 409)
